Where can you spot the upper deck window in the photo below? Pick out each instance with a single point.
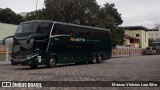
(27, 27)
(45, 27)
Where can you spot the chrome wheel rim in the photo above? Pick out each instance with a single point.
(94, 60)
(100, 59)
(52, 62)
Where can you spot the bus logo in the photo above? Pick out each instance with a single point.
(6, 84)
(72, 39)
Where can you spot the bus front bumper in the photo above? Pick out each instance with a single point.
(25, 61)
(22, 61)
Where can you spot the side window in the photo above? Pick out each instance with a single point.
(105, 35)
(81, 32)
(59, 29)
(71, 30)
(45, 27)
(95, 34)
(88, 33)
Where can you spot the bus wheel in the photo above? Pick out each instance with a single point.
(33, 66)
(100, 59)
(94, 59)
(51, 62)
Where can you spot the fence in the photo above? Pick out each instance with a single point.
(5, 52)
(126, 51)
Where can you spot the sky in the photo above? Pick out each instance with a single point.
(133, 12)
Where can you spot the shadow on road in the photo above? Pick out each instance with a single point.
(57, 66)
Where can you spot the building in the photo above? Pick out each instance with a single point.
(154, 37)
(157, 26)
(154, 34)
(131, 41)
(139, 32)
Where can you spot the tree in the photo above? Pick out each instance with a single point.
(72, 11)
(83, 12)
(34, 15)
(151, 43)
(108, 17)
(8, 16)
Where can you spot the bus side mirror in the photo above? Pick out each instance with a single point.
(29, 38)
(6, 38)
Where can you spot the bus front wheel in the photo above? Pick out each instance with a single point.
(51, 62)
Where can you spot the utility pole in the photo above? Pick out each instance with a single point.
(36, 8)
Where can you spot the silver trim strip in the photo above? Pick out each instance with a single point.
(32, 56)
(60, 35)
(50, 37)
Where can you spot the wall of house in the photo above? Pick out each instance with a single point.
(143, 36)
(126, 41)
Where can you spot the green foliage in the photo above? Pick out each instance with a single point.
(8, 16)
(72, 11)
(151, 43)
(84, 12)
(34, 15)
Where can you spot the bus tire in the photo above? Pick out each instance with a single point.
(33, 66)
(51, 62)
(100, 58)
(94, 59)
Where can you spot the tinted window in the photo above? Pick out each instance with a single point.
(79, 31)
(105, 35)
(71, 30)
(45, 27)
(72, 47)
(59, 29)
(27, 27)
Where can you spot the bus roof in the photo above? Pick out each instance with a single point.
(68, 24)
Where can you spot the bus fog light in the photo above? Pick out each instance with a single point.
(39, 58)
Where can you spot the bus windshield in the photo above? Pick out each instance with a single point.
(20, 47)
(27, 27)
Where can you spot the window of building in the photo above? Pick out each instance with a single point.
(137, 35)
(131, 41)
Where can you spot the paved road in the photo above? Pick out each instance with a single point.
(135, 68)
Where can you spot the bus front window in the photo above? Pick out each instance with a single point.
(27, 27)
(21, 48)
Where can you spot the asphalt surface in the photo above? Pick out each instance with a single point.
(135, 68)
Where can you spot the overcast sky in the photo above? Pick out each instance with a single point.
(134, 12)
